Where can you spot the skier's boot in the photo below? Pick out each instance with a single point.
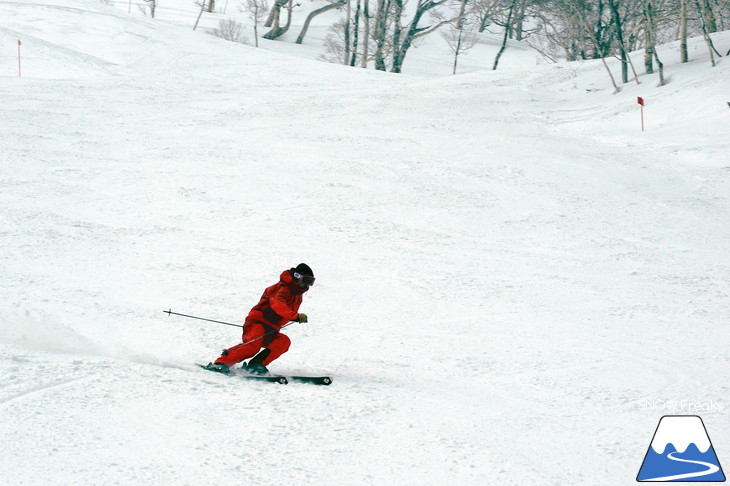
(256, 365)
(218, 367)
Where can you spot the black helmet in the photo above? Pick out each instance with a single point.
(303, 273)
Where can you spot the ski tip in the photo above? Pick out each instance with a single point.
(282, 380)
(316, 380)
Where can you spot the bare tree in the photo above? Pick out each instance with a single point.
(355, 34)
(460, 37)
(582, 29)
(348, 22)
(380, 32)
(597, 32)
(684, 57)
(412, 30)
(366, 29)
(314, 13)
(484, 12)
(152, 5)
(706, 32)
(507, 27)
(708, 16)
(256, 10)
(649, 37)
(383, 32)
(334, 43)
(561, 34)
(651, 40)
(274, 19)
(202, 4)
(229, 30)
(381, 43)
(518, 31)
(617, 23)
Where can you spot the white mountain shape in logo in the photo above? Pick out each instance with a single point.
(680, 431)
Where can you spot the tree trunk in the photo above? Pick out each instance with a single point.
(400, 49)
(610, 74)
(346, 57)
(506, 33)
(649, 58)
(620, 37)
(709, 17)
(633, 70)
(706, 34)
(460, 27)
(381, 29)
(366, 40)
(599, 49)
(314, 13)
(413, 31)
(600, 43)
(661, 69)
(200, 14)
(274, 19)
(273, 15)
(651, 38)
(456, 51)
(650, 41)
(519, 22)
(397, 30)
(683, 31)
(355, 34)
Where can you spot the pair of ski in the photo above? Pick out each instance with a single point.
(282, 380)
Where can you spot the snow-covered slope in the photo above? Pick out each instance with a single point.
(510, 274)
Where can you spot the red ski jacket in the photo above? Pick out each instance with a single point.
(279, 303)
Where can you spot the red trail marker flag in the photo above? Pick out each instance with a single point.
(640, 100)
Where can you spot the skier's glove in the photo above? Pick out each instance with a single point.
(301, 318)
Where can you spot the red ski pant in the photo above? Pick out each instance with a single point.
(277, 342)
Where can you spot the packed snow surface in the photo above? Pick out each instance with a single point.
(514, 282)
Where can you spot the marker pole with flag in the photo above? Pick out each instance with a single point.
(19, 44)
(640, 100)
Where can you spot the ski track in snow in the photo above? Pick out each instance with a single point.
(506, 269)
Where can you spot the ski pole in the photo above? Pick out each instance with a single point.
(169, 313)
(268, 333)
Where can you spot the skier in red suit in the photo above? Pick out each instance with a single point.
(262, 340)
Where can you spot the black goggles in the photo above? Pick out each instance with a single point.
(305, 279)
